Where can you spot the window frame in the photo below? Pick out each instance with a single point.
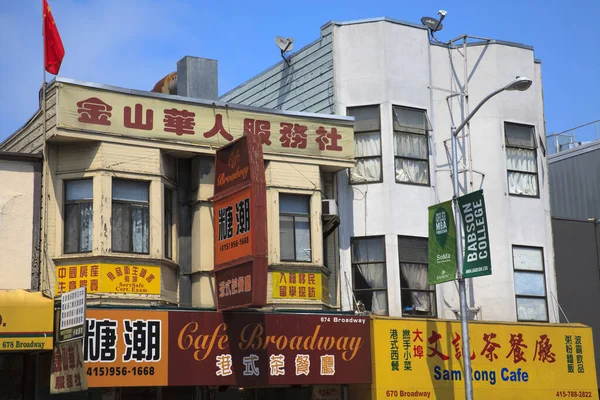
(528, 296)
(409, 290)
(79, 203)
(167, 228)
(535, 152)
(380, 156)
(130, 204)
(294, 215)
(426, 134)
(353, 264)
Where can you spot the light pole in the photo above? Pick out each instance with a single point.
(520, 84)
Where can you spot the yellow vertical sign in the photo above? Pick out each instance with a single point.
(297, 285)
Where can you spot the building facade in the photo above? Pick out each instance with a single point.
(405, 92)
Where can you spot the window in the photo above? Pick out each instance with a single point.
(168, 221)
(411, 147)
(294, 227)
(367, 145)
(418, 298)
(78, 216)
(521, 160)
(530, 284)
(369, 274)
(130, 216)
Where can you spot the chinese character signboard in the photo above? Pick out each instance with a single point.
(72, 315)
(68, 372)
(240, 222)
(109, 278)
(477, 261)
(126, 348)
(151, 116)
(441, 244)
(181, 348)
(297, 285)
(520, 361)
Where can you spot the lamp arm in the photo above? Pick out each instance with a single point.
(472, 113)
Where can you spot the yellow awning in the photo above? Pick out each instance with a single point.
(26, 321)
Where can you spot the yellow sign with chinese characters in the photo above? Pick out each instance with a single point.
(423, 359)
(297, 285)
(109, 278)
(151, 116)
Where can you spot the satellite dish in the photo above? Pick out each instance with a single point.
(284, 44)
(433, 24)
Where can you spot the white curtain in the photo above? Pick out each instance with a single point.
(525, 182)
(411, 171)
(139, 219)
(413, 146)
(85, 234)
(416, 277)
(367, 169)
(374, 274)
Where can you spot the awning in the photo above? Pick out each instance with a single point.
(26, 321)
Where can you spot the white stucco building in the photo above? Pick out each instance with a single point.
(406, 91)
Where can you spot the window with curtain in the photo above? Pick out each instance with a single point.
(78, 216)
(530, 284)
(130, 216)
(521, 160)
(418, 298)
(367, 144)
(369, 280)
(411, 147)
(294, 227)
(168, 223)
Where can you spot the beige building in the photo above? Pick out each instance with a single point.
(130, 175)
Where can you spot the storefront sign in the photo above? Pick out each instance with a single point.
(441, 244)
(240, 223)
(145, 115)
(477, 259)
(181, 348)
(423, 359)
(72, 315)
(109, 278)
(126, 348)
(297, 285)
(26, 321)
(68, 373)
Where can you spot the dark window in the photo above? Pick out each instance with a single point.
(369, 279)
(294, 227)
(530, 284)
(411, 146)
(367, 145)
(78, 216)
(168, 223)
(521, 160)
(418, 298)
(130, 216)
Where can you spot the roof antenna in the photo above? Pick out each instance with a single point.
(285, 45)
(433, 24)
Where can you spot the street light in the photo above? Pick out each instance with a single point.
(519, 84)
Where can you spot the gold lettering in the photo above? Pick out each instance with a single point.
(203, 343)
(282, 342)
(355, 345)
(255, 340)
(296, 343)
(188, 337)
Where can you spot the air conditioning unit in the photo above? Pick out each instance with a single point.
(329, 207)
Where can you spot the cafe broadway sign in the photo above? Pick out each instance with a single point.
(150, 348)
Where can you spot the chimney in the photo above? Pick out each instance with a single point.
(197, 77)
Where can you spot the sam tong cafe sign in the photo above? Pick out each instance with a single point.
(259, 349)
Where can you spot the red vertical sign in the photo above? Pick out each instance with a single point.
(240, 222)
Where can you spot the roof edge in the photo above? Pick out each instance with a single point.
(375, 19)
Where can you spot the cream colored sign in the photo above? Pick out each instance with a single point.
(91, 109)
(68, 372)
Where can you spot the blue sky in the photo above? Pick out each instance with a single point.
(133, 44)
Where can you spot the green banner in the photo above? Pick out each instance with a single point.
(441, 244)
(477, 261)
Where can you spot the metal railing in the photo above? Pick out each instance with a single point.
(574, 137)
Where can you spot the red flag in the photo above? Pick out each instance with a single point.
(54, 52)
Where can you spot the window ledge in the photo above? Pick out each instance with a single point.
(294, 266)
(87, 257)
